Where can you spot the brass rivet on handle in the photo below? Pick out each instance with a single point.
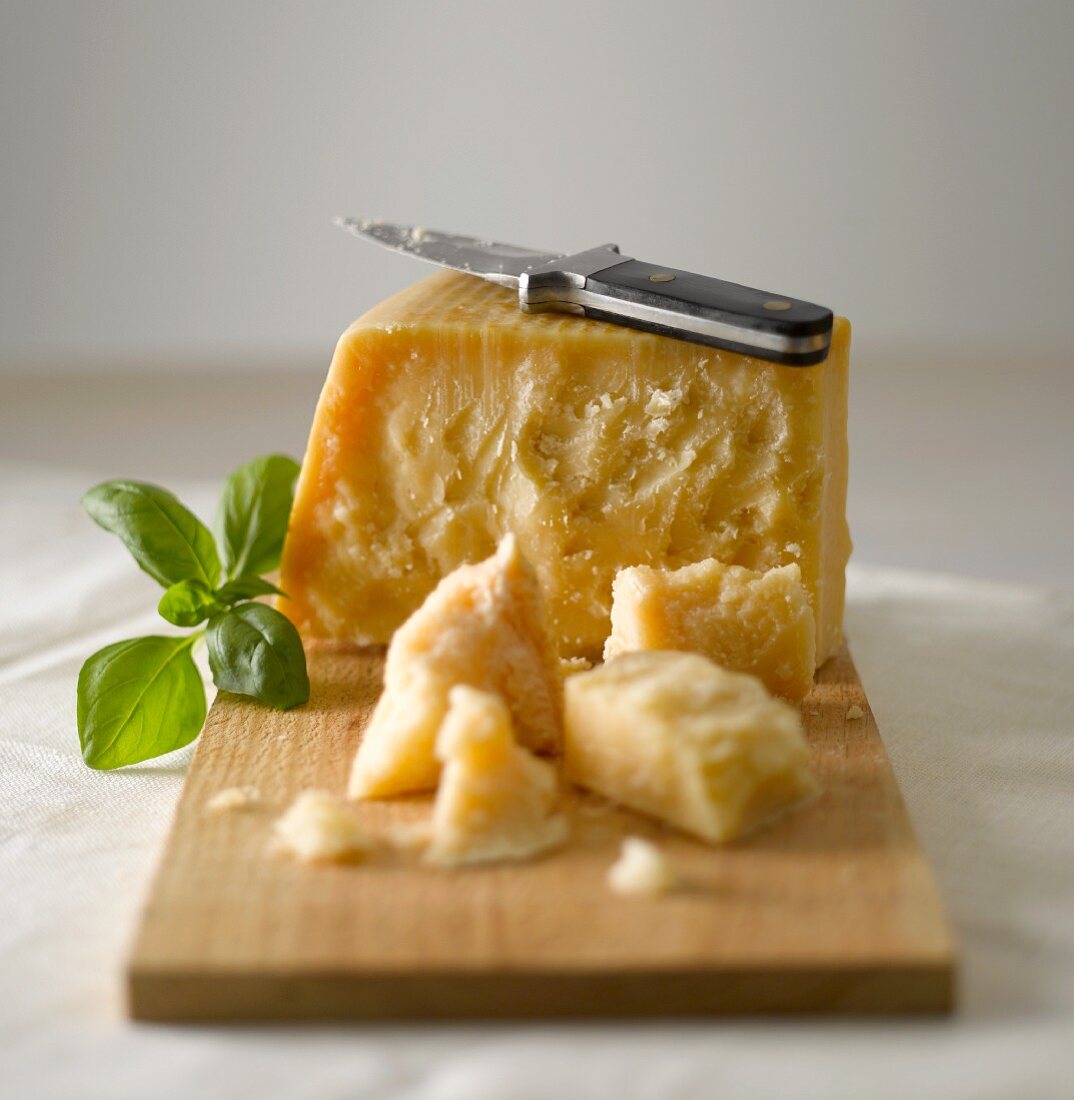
(777, 304)
(661, 277)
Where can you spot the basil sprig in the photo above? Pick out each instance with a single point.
(144, 697)
(250, 650)
(251, 520)
(167, 540)
(139, 699)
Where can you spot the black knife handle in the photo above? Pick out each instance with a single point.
(708, 311)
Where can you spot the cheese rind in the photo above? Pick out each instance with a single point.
(496, 801)
(449, 418)
(760, 623)
(484, 625)
(676, 737)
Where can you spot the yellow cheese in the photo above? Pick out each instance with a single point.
(676, 737)
(319, 829)
(484, 625)
(449, 418)
(496, 800)
(760, 623)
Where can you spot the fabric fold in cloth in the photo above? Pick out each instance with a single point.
(973, 687)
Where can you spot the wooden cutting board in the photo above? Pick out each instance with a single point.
(833, 910)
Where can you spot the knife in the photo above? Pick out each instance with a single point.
(603, 283)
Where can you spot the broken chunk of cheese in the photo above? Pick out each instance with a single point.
(496, 801)
(450, 418)
(483, 625)
(760, 623)
(676, 737)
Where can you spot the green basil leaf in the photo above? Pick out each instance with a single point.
(246, 588)
(167, 540)
(254, 650)
(139, 699)
(188, 603)
(251, 520)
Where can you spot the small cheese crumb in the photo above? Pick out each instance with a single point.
(662, 402)
(415, 834)
(568, 666)
(641, 869)
(233, 798)
(854, 711)
(319, 828)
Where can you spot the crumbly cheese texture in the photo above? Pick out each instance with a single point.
(484, 625)
(496, 800)
(760, 623)
(233, 798)
(641, 869)
(677, 737)
(450, 418)
(318, 828)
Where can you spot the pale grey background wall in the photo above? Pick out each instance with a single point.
(169, 169)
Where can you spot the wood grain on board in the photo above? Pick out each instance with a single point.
(832, 910)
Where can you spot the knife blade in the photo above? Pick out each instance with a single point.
(604, 284)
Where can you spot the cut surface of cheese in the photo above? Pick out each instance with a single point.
(496, 800)
(760, 623)
(318, 828)
(449, 418)
(484, 625)
(676, 737)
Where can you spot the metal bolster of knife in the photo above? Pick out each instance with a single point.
(559, 286)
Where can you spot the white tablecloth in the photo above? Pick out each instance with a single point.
(973, 686)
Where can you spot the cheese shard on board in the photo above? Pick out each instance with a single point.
(641, 869)
(676, 737)
(483, 625)
(318, 828)
(233, 798)
(496, 800)
(450, 418)
(760, 623)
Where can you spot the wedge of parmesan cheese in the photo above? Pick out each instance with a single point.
(449, 418)
(496, 800)
(674, 736)
(484, 625)
(761, 623)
